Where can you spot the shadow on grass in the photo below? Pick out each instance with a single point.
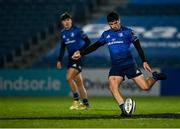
(93, 117)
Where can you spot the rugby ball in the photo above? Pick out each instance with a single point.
(129, 106)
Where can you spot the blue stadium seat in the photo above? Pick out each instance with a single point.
(22, 20)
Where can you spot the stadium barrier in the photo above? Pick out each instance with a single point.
(52, 82)
(33, 82)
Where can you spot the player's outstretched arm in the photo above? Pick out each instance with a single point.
(87, 43)
(142, 56)
(86, 51)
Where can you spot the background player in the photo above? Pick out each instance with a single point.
(119, 38)
(72, 38)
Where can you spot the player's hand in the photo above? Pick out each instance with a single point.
(147, 67)
(76, 55)
(59, 66)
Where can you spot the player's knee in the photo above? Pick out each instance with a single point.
(113, 88)
(145, 88)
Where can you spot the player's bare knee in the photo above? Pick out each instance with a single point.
(112, 85)
(145, 87)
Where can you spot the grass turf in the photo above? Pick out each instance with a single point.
(52, 112)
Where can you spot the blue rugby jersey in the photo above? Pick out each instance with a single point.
(72, 39)
(119, 45)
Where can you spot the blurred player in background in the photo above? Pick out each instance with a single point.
(119, 38)
(72, 38)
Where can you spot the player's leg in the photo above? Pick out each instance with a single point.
(114, 83)
(80, 85)
(82, 90)
(71, 74)
(73, 71)
(145, 84)
(115, 78)
(77, 64)
(70, 77)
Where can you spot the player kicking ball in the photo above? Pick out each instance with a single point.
(72, 39)
(119, 38)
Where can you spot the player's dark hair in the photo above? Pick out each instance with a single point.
(65, 16)
(113, 16)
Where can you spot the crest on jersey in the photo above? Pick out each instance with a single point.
(64, 36)
(72, 34)
(120, 34)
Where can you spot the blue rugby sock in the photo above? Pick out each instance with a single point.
(76, 96)
(85, 102)
(122, 107)
(154, 78)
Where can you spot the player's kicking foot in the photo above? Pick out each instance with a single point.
(75, 105)
(159, 76)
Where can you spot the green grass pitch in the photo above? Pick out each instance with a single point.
(52, 112)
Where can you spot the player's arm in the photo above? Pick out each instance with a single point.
(61, 55)
(87, 50)
(87, 43)
(140, 51)
(90, 49)
(85, 38)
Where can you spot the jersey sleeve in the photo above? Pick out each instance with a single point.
(81, 33)
(62, 49)
(102, 39)
(133, 36)
(61, 37)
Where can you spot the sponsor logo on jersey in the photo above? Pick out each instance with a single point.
(120, 34)
(70, 41)
(115, 42)
(72, 34)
